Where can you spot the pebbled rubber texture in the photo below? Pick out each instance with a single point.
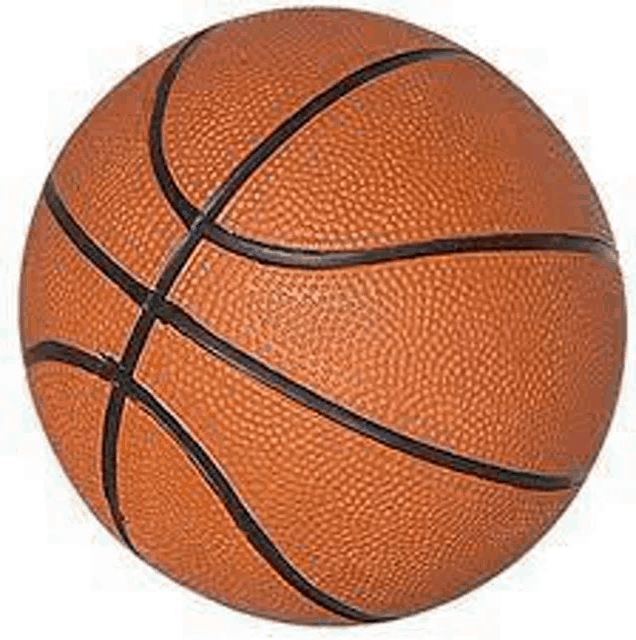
(321, 437)
(52, 303)
(105, 174)
(442, 333)
(362, 519)
(248, 76)
(441, 136)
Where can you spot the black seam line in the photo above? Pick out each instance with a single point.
(312, 259)
(189, 327)
(142, 296)
(52, 350)
(242, 172)
(89, 248)
(186, 210)
(126, 386)
(256, 536)
(198, 220)
(155, 306)
(282, 256)
(110, 438)
(322, 101)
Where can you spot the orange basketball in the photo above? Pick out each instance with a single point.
(322, 316)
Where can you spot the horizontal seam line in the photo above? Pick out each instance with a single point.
(290, 257)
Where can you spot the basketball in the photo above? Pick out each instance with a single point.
(322, 316)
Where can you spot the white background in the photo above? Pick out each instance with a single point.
(61, 573)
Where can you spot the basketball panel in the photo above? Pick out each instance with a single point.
(441, 148)
(248, 76)
(64, 297)
(71, 405)
(106, 178)
(509, 357)
(372, 526)
(179, 525)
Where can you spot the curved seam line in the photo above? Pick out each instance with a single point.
(282, 256)
(178, 319)
(190, 241)
(127, 386)
(276, 139)
(179, 203)
(296, 257)
(174, 315)
(89, 248)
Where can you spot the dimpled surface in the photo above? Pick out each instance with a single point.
(71, 406)
(507, 360)
(180, 526)
(442, 148)
(54, 306)
(249, 75)
(442, 333)
(373, 526)
(105, 175)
